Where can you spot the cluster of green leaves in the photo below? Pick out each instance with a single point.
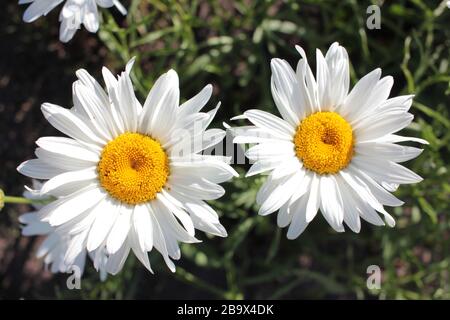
(229, 44)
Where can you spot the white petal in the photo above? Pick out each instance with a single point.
(90, 18)
(89, 102)
(379, 192)
(63, 161)
(285, 91)
(199, 188)
(70, 147)
(196, 103)
(376, 98)
(38, 9)
(159, 241)
(271, 150)
(117, 260)
(302, 186)
(182, 216)
(127, 102)
(143, 227)
(171, 237)
(284, 216)
(279, 196)
(271, 124)
(385, 171)
(38, 169)
(75, 204)
(107, 212)
(140, 253)
(261, 166)
(69, 124)
(379, 127)
(37, 228)
(205, 218)
(367, 212)
(299, 223)
(351, 215)
(48, 244)
(323, 85)
(314, 199)
(400, 103)
(119, 231)
(288, 167)
(308, 85)
(356, 100)
(59, 184)
(339, 75)
(158, 114)
(387, 151)
(332, 206)
(393, 138)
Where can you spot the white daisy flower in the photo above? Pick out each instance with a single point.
(130, 177)
(73, 14)
(332, 150)
(56, 244)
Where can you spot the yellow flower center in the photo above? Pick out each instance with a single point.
(133, 168)
(324, 142)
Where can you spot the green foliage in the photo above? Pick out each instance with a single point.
(229, 44)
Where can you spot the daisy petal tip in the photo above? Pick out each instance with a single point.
(20, 167)
(264, 211)
(240, 117)
(274, 62)
(45, 107)
(171, 266)
(250, 174)
(390, 221)
(335, 44)
(310, 217)
(195, 240)
(291, 237)
(223, 234)
(130, 65)
(300, 51)
(234, 173)
(172, 73)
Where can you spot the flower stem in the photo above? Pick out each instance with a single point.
(11, 199)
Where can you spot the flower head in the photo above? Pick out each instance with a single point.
(73, 14)
(332, 150)
(130, 177)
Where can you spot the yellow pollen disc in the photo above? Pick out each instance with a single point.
(324, 142)
(133, 168)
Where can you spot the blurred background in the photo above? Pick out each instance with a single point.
(229, 44)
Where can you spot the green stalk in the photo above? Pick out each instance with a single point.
(10, 199)
(20, 200)
(190, 279)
